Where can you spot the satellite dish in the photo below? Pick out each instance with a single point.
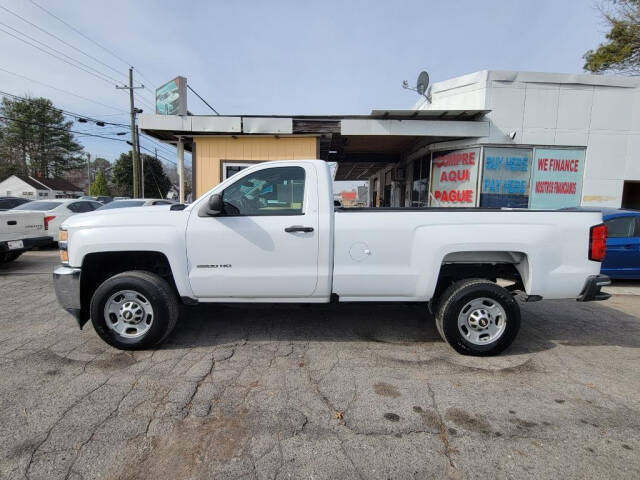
(422, 83)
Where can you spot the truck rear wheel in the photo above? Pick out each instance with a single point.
(478, 317)
(134, 310)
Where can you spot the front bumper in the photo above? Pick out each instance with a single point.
(28, 244)
(591, 290)
(66, 281)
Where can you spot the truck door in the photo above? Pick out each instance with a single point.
(623, 247)
(264, 243)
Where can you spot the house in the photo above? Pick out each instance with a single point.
(38, 188)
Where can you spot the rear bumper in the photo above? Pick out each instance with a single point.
(28, 244)
(66, 281)
(591, 290)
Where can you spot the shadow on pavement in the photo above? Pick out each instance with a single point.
(544, 325)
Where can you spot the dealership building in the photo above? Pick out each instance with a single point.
(487, 139)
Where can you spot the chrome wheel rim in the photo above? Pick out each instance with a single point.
(482, 321)
(128, 313)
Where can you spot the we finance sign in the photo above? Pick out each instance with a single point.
(454, 178)
(556, 178)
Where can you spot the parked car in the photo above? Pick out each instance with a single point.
(57, 211)
(121, 198)
(7, 203)
(622, 259)
(101, 199)
(19, 232)
(140, 202)
(270, 234)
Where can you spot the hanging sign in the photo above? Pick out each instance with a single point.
(171, 98)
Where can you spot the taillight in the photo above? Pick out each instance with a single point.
(597, 242)
(47, 220)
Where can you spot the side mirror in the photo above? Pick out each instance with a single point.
(215, 205)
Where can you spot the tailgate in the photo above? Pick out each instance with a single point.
(16, 225)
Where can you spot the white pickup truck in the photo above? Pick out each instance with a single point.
(21, 231)
(270, 234)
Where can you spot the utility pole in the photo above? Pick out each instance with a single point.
(180, 149)
(141, 163)
(88, 173)
(134, 136)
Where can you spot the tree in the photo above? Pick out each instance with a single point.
(35, 139)
(99, 186)
(621, 52)
(156, 182)
(101, 165)
(172, 173)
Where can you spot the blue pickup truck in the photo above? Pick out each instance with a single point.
(622, 259)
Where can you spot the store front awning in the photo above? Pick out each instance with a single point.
(359, 144)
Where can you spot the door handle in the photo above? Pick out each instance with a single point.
(298, 228)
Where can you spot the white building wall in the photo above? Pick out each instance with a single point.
(601, 113)
(14, 187)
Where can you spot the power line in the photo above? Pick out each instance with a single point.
(145, 78)
(63, 91)
(160, 144)
(205, 102)
(59, 58)
(87, 38)
(61, 40)
(81, 34)
(110, 52)
(67, 112)
(60, 129)
(144, 101)
(160, 156)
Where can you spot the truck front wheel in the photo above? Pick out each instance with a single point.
(134, 310)
(478, 317)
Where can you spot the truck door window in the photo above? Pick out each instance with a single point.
(272, 191)
(620, 227)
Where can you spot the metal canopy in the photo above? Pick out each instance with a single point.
(429, 114)
(378, 138)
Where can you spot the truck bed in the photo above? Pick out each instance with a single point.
(400, 251)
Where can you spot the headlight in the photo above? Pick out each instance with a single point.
(63, 245)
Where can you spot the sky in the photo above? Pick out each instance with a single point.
(278, 57)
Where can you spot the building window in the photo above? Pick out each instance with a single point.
(505, 177)
(455, 178)
(231, 168)
(556, 178)
(420, 186)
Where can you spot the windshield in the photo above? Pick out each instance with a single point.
(41, 205)
(122, 204)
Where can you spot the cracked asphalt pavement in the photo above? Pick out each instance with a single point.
(329, 391)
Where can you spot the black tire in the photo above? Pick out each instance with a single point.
(456, 297)
(160, 295)
(9, 256)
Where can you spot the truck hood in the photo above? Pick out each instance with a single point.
(131, 216)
